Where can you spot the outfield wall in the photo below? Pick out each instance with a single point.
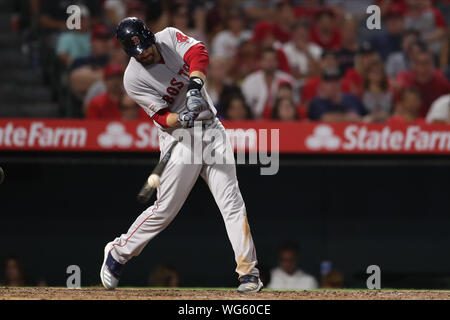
(61, 209)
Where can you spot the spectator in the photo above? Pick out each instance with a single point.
(354, 77)
(387, 5)
(349, 48)
(401, 61)
(332, 105)
(219, 85)
(285, 19)
(287, 275)
(77, 43)
(14, 273)
(285, 110)
(302, 54)
(116, 10)
(106, 105)
(136, 8)
(226, 42)
(179, 18)
(355, 8)
(324, 32)
(328, 61)
(440, 110)
(388, 41)
(259, 88)
(332, 280)
(286, 91)
(377, 99)
(87, 70)
(408, 108)
(130, 110)
(236, 109)
(264, 36)
(95, 90)
(102, 43)
(423, 17)
(261, 10)
(90, 74)
(244, 62)
(307, 10)
(216, 16)
(430, 82)
(165, 276)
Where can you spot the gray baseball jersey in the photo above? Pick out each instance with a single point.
(164, 85)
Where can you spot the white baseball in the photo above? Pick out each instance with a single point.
(154, 181)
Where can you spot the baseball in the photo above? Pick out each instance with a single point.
(154, 181)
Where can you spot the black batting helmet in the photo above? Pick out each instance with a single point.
(134, 36)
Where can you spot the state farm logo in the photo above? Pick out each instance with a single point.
(115, 136)
(323, 138)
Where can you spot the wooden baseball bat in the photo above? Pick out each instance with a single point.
(153, 180)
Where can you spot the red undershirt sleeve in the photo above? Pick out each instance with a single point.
(197, 58)
(161, 117)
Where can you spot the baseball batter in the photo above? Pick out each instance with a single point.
(165, 76)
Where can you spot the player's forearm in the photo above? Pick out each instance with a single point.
(199, 74)
(166, 119)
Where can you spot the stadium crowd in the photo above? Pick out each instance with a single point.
(299, 60)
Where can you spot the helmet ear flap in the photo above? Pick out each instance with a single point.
(151, 36)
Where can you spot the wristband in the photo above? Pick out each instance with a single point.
(195, 83)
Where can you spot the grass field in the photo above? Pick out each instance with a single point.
(96, 293)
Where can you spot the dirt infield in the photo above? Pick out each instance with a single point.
(217, 294)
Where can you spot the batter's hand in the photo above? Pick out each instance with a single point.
(195, 102)
(187, 118)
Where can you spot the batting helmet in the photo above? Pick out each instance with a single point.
(134, 36)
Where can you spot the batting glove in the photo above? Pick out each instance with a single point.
(186, 119)
(195, 102)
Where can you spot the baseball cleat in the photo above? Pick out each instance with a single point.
(250, 284)
(111, 269)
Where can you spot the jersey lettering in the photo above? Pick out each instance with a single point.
(176, 83)
(174, 90)
(184, 71)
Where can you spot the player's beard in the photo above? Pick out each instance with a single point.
(150, 59)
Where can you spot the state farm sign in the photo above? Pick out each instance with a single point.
(249, 136)
(363, 138)
(36, 134)
(77, 135)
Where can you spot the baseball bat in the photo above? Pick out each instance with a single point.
(153, 180)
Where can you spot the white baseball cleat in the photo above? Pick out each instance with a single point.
(250, 284)
(111, 269)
